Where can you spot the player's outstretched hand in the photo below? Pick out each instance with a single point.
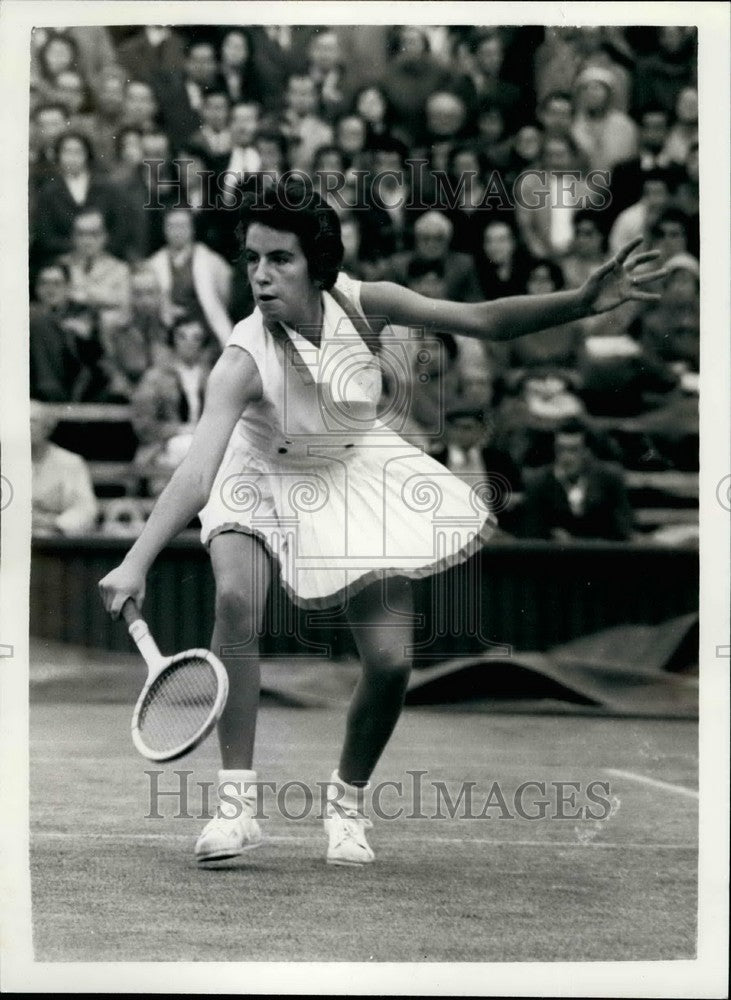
(618, 280)
(117, 586)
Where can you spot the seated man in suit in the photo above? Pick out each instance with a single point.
(432, 237)
(577, 496)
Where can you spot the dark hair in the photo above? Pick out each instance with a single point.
(80, 137)
(293, 206)
(324, 151)
(671, 215)
(388, 144)
(658, 174)
(571, 425)
(467, 147)
(553, 269)
(54, 37)
(654, 109)
(216, 91)
(185, 320)
(418, 268)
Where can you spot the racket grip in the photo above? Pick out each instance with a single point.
(130, 611)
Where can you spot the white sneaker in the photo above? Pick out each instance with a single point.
(347, 844)
(227, 837)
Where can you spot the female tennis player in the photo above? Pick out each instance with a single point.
(292, 471)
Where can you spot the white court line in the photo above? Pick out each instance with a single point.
(276, 839)
(643, 779)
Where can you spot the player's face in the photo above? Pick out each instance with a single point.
(279, 276)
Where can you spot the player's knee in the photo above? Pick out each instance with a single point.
(391, 668)
(235, 608)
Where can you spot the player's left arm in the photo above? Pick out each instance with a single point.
(609, 286)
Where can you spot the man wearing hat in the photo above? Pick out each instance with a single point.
(605, 135)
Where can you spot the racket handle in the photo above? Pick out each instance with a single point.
(130, 611)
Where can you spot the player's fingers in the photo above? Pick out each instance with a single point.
(623, 253)
(640, 296)
(643, 258)
(117, 604)
(644, 279)
(605, 269)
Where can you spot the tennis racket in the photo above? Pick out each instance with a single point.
(182, 699)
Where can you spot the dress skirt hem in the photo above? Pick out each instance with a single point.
(320, 602)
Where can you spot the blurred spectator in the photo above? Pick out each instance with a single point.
(502, 264)
(301, 124)
(97, 279)
(490, 139)
(486, 82)
(65, 348)
(627, 176)
(138, 343)
(550, 202)
(470, 450)
(327, 70)
(576, 496)
(446, 115)
(272, 148)
(168, 402)
(372, 104)
(58, 53)
(408, 82)
(73, 94)
(351, 137)
(638, 219)
(91, 47)
(661, 76)
(556, 113)
(670, 234)
(140, 106)
(108, 115)
(469, 207)
(587, 251)
(180, 93)
(244, 157)
(387, 221)
(48, 122)
(558, 347)
(620, 378)
(63, 501)
(684, 133)
(151, 50)
(75, 189)
(193, 279)
(671, 330)
(214, 135)
(236, 67)
(526, 419)
(432, 239)
(687, 199)
(605, 135)
(146, 182)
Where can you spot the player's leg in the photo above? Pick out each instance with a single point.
(242, 573)
(381, 618)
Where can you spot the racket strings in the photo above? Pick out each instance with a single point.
(178, 704)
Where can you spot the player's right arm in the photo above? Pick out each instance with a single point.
(233, 383)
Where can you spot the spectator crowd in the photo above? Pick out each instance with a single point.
(448, 153)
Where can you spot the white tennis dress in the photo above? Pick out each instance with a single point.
(338, 498)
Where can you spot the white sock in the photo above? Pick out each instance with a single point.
(347, 797)
(238, 785)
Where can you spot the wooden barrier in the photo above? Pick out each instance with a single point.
(526, 594)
